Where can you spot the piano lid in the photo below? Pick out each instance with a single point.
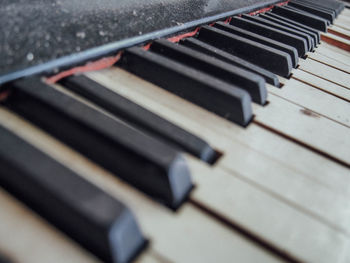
(38, 32)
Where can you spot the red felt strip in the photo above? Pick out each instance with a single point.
(188, 34)
(261, 11)
(147, 47)
(90, 66)
(283, 3)
(4, 95)
(228, 20)
(266, 9)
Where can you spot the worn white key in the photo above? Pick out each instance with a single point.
(26, 237)
(339, 31)
(345, 12)
(330, 62)
(325, 72)
(322, 84)
(343, 16)
(171, 233)
(334, 52)
(342, 23)
(306, 126)
(265, 216)
(315, 100)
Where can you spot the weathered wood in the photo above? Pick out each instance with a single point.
(261, 214)
(345, 12)
(330, 62)
(334, 52)
(307, 127)
(325, 72)
(315, 100)
(343, 22)
(343, 16)
(322, 84)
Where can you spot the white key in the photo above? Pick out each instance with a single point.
(337, 41)
(334, 52)
(322, 84)
(342, 23)
(330, 62)
(325, 72)
(343, 17)
(306, 126)
(315, 100)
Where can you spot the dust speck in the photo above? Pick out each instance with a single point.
(81, 35)
(30, 56)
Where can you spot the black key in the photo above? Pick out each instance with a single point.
(329, 10)
(313, 10)
(4, 259)
(321, 8)
(202, 89)
(231, 59)
(289, 7)
(269, 58)
(139, 117)
(304, 18)
(335, 6)
(294, 23)
(252, 83)
(298, 42)
(309, 40)
(97, 221)
(260, 39)
(144, 162)
(286, 24)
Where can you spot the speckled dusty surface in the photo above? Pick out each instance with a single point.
(37, 31)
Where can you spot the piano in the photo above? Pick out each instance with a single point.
(175, 131)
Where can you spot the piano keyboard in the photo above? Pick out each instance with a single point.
(226, 144)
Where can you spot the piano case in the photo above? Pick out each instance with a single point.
(46, 36)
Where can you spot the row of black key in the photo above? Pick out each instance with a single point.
(140, 159)
(222, 69)
(223, 62)
(139, 147)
